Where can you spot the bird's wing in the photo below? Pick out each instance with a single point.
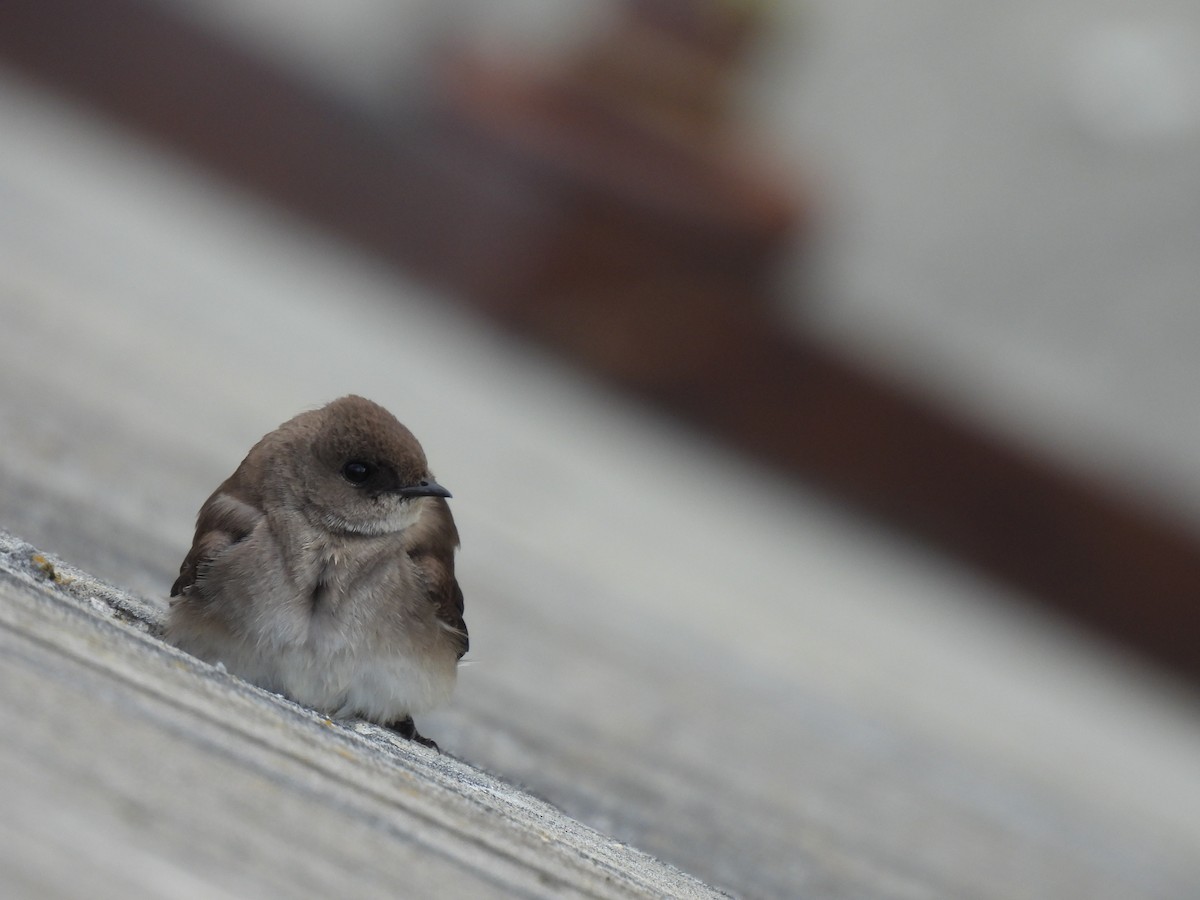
(225, 519)
(430, 545)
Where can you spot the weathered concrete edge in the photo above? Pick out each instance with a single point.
(525, 831)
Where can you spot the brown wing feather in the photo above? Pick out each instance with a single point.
(431, 544)
(226, 518)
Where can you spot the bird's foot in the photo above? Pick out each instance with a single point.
(406, 728)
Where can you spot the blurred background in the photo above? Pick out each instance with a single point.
(926, 269)
(935, 261)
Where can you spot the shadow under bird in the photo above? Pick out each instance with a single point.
(323, 569)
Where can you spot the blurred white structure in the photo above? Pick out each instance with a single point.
(1010, 193)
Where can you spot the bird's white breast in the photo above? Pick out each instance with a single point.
(384, 688)
(345, 639)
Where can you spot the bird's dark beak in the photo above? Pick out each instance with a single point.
(427, 488)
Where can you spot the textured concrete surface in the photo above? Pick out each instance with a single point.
(672, 648)
(157, 775)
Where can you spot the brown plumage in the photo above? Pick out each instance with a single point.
(323, 569)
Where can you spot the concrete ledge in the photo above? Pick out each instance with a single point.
(169, 777)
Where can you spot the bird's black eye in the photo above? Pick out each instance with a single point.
(357, 472)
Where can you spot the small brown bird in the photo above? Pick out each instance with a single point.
(323, 569)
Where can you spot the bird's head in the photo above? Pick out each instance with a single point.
(356, 469)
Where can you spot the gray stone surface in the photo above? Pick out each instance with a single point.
(133, 770)
(671, 647)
